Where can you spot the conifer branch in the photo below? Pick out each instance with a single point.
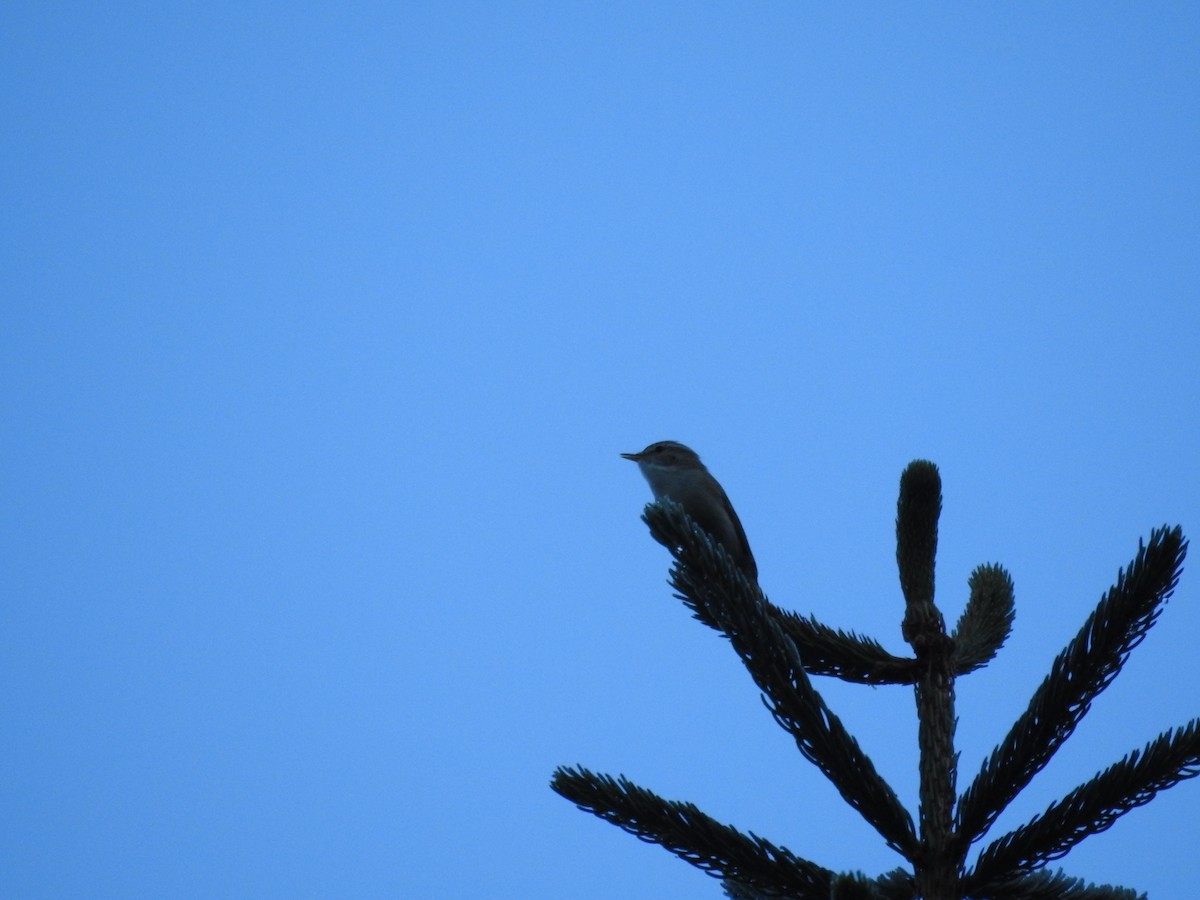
(735, 891)
(1093, 806)
(845, 655)
(708, 580)
(917, 512)
(823, 650)
(720, 850)
(894, 885)
(986, 621)
(981, 631)
(1051, 886)
(1080, 672)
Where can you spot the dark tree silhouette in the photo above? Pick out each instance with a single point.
(781, 650)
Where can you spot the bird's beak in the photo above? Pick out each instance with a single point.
(634, 456)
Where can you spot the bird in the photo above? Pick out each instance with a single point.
(674, 470)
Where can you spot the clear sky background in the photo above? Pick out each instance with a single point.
(323, 328)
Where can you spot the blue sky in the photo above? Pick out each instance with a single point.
(324, 328)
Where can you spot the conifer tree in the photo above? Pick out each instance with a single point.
(782, 650)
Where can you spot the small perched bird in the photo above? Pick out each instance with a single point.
(675, 471)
